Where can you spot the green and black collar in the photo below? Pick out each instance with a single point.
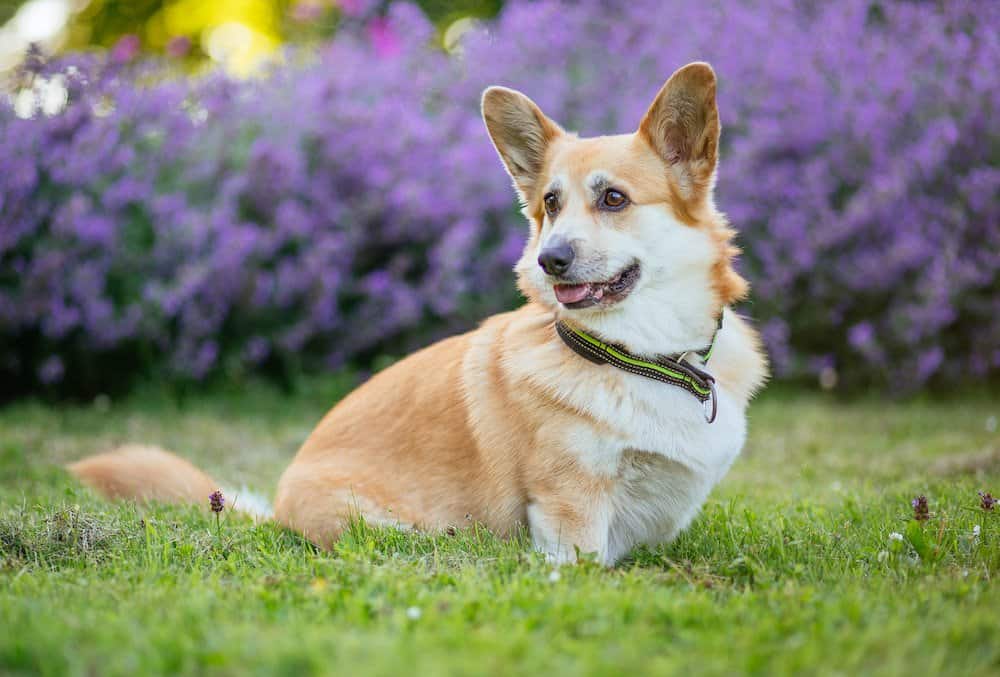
(673, 369)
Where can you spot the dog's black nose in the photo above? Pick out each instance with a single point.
(556, 258)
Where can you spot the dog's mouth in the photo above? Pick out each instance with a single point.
(609, 292)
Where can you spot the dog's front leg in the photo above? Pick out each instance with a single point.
(565, 523)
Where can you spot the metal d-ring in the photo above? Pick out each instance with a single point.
(714, 399)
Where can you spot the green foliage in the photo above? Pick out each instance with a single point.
(103, 22)
(790, 569)
(8, 8)
(441, 12)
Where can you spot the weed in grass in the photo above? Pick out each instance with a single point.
(921, 510)
(986, 501)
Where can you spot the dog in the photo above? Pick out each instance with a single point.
(600, 414)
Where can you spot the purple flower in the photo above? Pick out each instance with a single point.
(358, 8)
(178, 46)
(51, 370)
(861, 334)
(921, 511)
(216, 501)
(351, 204)
(126, 49)
(383, 37)
(305, 11)
(986, 501)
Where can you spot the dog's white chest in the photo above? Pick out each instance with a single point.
(662, 454)
(637, 413)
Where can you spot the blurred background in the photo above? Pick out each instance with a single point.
(239, 35)
(199, 192)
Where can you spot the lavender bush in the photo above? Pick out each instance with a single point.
(350, 203)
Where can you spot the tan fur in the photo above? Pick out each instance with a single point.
(521, 133)
(682, 125)
(671, 159)
(648, 180)
(146, 473)
(745, 371)
(495, 425)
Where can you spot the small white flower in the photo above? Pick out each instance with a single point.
(883, 555)
(413, 613)
(991, 424)
(975, 531)
(896, 536)
(554, 576)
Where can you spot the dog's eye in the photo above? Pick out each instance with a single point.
(614, 199)
(551, 204)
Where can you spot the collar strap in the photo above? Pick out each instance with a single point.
(672, 369)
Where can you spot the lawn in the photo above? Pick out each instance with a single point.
(790, 568)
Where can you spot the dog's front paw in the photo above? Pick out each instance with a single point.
(558, 556)
(572, 555)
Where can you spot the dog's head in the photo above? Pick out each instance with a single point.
(625, 238)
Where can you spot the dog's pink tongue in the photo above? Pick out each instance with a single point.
(571, 293)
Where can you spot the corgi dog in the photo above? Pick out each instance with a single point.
(600, 414)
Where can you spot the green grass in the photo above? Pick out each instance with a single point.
(789, 569)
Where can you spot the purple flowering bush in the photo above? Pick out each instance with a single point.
(350, 203)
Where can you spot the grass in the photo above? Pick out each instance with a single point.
(789, 569)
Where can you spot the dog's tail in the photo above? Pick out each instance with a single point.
(142, 473)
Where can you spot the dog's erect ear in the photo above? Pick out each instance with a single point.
(682, 126)
(521, 134)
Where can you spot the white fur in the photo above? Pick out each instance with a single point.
(662, 453)
(672, 307)
(547, 536)
(682, 455)
(254, 504)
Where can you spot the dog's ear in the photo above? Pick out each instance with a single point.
(521, 133)
(682, 126)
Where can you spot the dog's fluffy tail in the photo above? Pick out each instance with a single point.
(142, 473)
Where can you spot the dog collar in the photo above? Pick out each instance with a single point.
(673, 369)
